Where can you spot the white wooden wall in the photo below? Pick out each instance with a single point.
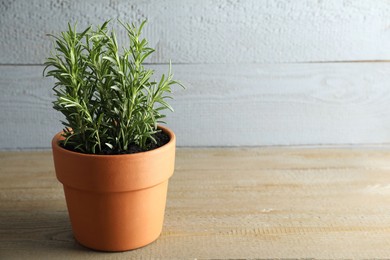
(258, 72)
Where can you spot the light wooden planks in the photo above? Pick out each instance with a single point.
(211, 31)
(231, 105)
(231, 100)
(222, 204)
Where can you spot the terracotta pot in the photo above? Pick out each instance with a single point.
(115, 202)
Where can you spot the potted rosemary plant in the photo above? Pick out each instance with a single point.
(112, 157)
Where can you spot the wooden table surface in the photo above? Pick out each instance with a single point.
(222, 204)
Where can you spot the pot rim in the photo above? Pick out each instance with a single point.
(171, 134)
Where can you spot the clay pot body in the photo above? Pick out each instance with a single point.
(115, 202)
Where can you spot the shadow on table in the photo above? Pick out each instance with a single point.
(39, 235)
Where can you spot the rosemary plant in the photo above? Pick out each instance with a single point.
(108, 98)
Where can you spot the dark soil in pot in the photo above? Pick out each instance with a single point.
(161, 138)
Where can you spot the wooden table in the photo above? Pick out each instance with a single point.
(222, 203)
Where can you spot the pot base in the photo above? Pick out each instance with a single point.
(117, 221)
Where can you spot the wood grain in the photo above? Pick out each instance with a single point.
(222, 204)
(230, 105)
(220, 31)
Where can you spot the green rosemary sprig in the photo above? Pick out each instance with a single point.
(107, 97)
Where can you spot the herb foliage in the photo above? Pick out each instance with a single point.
(107, 97)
